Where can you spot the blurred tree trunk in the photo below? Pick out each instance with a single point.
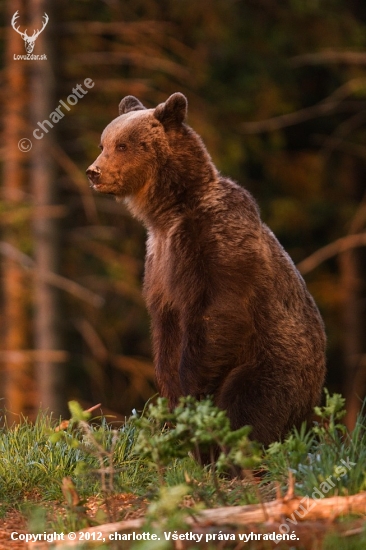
(16, 368)
(353, 289)
(352, 337)
(49, 373)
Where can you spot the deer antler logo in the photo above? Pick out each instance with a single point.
(29, 41)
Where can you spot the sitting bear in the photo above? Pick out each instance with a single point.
(231, 315)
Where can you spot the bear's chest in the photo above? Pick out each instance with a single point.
(160, 272)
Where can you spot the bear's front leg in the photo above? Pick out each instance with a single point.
(199, 372)
(166, 338)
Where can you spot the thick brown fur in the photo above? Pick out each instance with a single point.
(231, 315)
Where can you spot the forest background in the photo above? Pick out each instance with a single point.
(277, 90)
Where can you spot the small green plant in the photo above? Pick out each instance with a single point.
(326, 455)
(93, 443)
(334, 540)
(165, 514)
(100, 446)
(329, 427)
(338, 455)
(196, 427)
(289, 454)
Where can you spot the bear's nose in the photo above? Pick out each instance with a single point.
(93, 173)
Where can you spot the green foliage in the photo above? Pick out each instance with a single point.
(330, 415)
(237, 62)
(36, 516)
(324, 452)
(149, 456)
(333, 540)
(77, 412)
(198, 427)
(165, 514)
(102, 447)
(29, 461)
(287, 455)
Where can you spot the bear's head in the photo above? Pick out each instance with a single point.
(136, 145)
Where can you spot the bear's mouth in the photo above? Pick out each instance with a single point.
(106, 188)
(93, 184)
(97, 186)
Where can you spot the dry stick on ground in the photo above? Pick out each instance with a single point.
(276, 511)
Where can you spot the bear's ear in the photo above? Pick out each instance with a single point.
(130, 103)
(173, 112)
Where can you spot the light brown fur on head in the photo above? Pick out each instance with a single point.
(134, 145)
(128, 154)
(138, 155)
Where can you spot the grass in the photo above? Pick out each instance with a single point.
(42, 470)
(326, 452)
(29, 462)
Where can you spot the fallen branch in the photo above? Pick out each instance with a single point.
(279, 510)
(266, 514)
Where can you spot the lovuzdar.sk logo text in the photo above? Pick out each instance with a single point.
(29, 41)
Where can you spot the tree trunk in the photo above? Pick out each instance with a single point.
(49, 374)
(17, 377)
(351, 330)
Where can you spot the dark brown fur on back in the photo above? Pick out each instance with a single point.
(231, 316)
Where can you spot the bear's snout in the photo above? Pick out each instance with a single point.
(93, 173)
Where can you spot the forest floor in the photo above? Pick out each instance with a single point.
(124, 505)
(311, 533)
(14, 521)
(91, 479)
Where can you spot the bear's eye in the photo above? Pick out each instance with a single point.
(100, 147)
(121, 147)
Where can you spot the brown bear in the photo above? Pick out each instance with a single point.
(231, 315)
